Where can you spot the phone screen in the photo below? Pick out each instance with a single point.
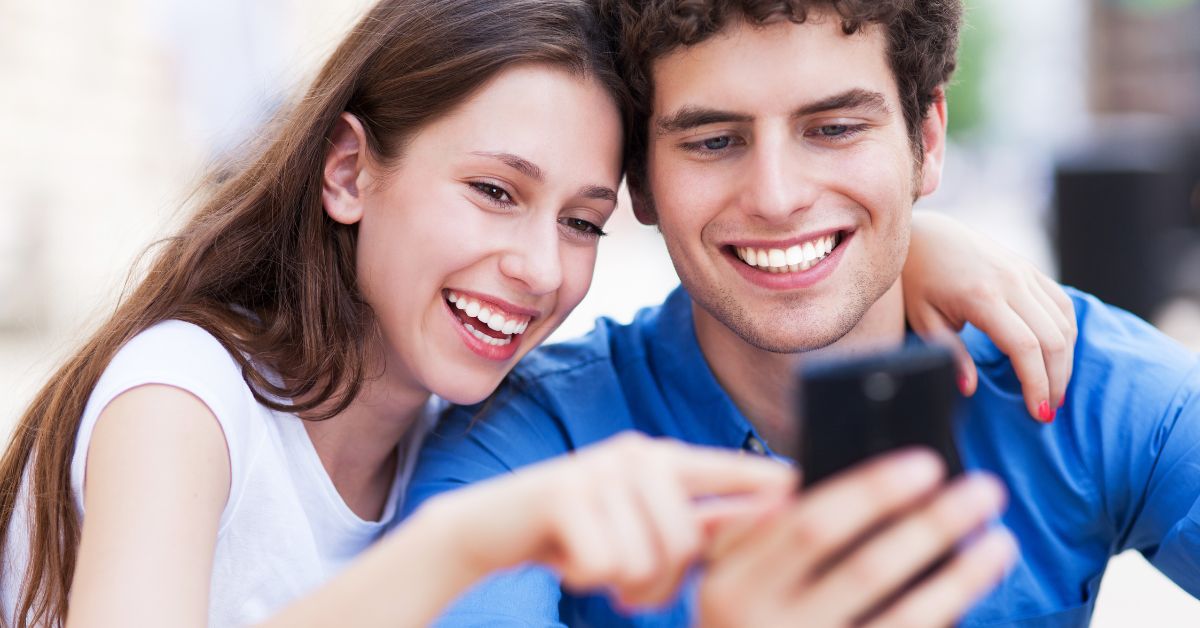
(855, 408)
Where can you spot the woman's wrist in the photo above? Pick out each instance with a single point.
(440, 532)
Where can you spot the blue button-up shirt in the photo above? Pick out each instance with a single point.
(1119, 468)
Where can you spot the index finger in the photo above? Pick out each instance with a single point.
(709, 471)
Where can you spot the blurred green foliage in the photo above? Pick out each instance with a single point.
(965, 94)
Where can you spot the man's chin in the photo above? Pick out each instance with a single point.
(786, 333)
(771, 338)
(785, 326)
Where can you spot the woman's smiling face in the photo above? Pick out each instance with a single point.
(479, 242)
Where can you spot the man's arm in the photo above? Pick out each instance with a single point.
(1163, 519)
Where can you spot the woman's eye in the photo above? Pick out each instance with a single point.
(494, 192)
(582, 226)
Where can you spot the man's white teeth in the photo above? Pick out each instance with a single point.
(795, 258)
(496, 320)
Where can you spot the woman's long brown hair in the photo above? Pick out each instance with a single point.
(262, 244)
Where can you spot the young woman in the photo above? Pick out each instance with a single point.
(241, 429)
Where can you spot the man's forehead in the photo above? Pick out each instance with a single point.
(756, 68)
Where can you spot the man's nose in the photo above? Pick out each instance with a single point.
(778, 185)
(532, 258)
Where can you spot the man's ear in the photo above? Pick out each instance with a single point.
(643, 205)
(345, 171)
(933, 138)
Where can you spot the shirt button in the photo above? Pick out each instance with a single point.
(755, 445)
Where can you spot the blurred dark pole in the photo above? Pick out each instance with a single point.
(1128, 201)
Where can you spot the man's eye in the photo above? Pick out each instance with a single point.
(836, 132)
(494, 192)
(717, 143)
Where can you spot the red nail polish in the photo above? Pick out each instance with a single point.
(962, 384)
(1045, 413)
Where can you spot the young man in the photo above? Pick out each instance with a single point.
(771, 128)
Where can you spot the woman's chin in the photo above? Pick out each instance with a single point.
(466, 393)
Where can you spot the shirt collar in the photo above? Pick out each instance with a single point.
(706, 413)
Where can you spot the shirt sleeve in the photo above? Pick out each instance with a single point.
(1164, 520)
(473, 444)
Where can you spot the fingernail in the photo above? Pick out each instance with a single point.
(962, 384)
(917, 466)
(1062, 403)
(985, 491)
(1045, 413)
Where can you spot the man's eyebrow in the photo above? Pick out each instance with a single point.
(851, 99)
(516, 162)
(599, 192)
(690, 117)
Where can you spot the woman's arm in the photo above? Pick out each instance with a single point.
(157, 480)
(620, 516)
(955, 276)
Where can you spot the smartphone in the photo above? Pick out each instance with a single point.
(855, 408)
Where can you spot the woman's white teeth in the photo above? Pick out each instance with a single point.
(495, 342)
(795, 258)
(496, 320)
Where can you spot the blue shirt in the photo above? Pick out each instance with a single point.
(1119, 468)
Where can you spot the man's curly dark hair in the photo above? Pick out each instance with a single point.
(922, 40)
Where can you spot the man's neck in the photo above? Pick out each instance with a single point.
(760, 382)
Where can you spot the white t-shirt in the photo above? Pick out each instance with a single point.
(285, 529)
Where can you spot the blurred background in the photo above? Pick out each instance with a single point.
(1076, 130)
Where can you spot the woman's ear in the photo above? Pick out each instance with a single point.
(345, 172)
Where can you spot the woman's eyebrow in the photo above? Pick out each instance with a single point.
(530, 169)
(516, 162)
(599, 192)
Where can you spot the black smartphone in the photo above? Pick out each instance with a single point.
(854, 408)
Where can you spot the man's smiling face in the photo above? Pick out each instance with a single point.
(783, 177)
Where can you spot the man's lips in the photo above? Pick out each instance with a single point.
(794, 255)
(791, 264)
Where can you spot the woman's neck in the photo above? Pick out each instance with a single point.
(358, 446)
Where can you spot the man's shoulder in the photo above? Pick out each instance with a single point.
(608, 346)
(1112, 345)
(566, 382)
(1103, 476)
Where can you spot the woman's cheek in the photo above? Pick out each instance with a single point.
(579, 264)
